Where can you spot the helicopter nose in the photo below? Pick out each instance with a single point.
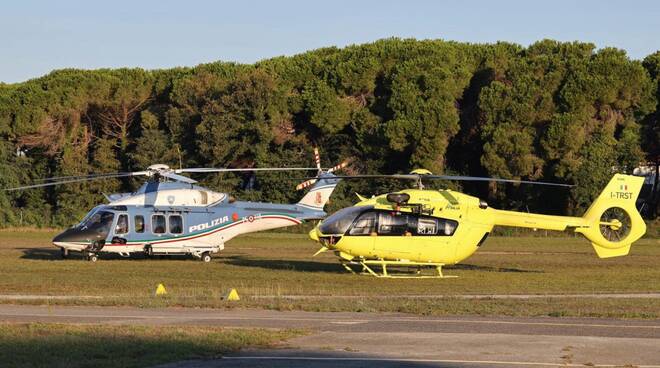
(63, 237)
(67, 237)
(313, 234)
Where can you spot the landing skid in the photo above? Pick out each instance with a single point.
(368, 269)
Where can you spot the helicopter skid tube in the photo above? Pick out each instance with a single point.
(383, 264)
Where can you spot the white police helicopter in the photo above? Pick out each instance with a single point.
(170, 215)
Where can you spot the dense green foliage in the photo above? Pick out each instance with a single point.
(562, 112)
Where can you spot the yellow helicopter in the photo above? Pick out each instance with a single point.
(418, 228)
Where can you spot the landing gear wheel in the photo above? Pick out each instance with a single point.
(92, 257)
(206, 257)
(64, 253)
(148, 251)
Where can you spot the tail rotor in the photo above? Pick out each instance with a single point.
(317, 158)
(613, 222)
(321, 187)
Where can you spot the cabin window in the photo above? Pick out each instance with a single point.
(427, 226)
(139, 223)
(393, 223)
(365, 224)
(447, 227)
(424, 225)
(158, 224)
(122, 225)
(176, 224)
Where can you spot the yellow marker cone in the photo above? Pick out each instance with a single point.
(160, 290)
(231, 295)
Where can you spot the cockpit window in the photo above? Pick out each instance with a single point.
(99, 220)
(87, 216)
(339, 221)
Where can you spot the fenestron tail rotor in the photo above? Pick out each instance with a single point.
(615, 224)
(317, 158)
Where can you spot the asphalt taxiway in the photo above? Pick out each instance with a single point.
(394, 340)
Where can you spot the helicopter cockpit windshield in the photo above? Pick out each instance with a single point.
(338, 222)
(100, 221)
(87, 216)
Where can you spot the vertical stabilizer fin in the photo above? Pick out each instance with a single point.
(614, 222)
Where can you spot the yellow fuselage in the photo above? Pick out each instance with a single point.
(474, 221)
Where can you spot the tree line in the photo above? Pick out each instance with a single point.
(554, 111)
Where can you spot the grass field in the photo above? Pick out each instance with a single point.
(105, 346)
(267, 269)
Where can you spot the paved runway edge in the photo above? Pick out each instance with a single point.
(349, 340)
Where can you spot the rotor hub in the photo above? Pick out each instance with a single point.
(615, 224)
(158, 167)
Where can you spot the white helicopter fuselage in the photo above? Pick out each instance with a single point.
(180, 218)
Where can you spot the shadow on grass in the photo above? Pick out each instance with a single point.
(47, 254)
(471, 267)
(271, 264)
(43, 254)
(312, 266)
(281, 264)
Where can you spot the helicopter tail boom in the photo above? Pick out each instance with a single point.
(536, 221)
(612, 222)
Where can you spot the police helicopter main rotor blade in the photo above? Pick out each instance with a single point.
(89, 176)
(74, 181)
(177, 177)
(219, 170)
